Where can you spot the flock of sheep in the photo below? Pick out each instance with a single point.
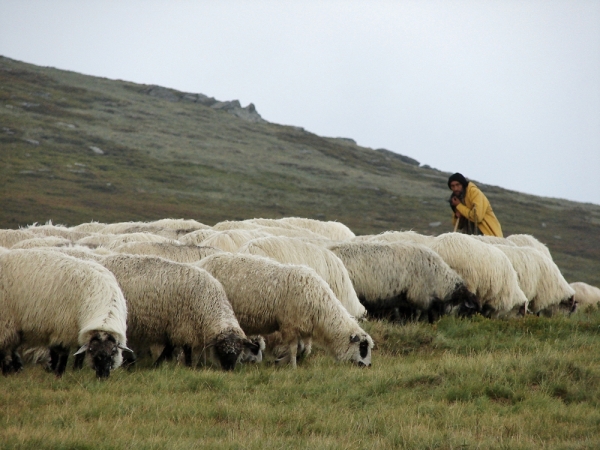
(239, 290)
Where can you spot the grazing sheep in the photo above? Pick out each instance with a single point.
(326, 264)
(232, 240)
(173, 252)
(332, 230)
(486, 271)
(402, 236)
(82, 252)
(268, 296)
(526, 240)
(89, 227)
(179, 225)
(400, 277)
(8, 238)
(196, 237)
(47, 241)
(111, 241)
(494, 240)
(539, 278)
(56, 230)
(177, 305)
(48, 299)
(586, 296)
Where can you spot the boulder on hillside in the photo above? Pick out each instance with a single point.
(398, 156)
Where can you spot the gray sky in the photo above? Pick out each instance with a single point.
(506, 92)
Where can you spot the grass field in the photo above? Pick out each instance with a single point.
(532, 383)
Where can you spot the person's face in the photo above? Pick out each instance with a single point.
(456, 187)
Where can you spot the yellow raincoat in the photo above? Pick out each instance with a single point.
(477, 209)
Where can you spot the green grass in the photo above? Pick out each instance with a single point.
(533, 383)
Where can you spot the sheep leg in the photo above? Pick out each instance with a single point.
(17, 362)
(59, 356)
(166, 355)
(6, 364)
(78, 363)
(187, 354)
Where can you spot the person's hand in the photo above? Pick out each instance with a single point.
(455, 201)
(458, 215)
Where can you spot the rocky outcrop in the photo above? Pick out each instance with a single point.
(399, 157)
(232, 107)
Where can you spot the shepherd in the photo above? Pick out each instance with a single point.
(472, 212)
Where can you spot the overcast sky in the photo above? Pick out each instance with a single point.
(505, 92)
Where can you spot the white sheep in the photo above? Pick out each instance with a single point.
(486, 271)
(173, 252)
(527, 240)
(196, 237)
(8, 238)
(111, 241)
(586, 296)
(231, 240)
(326, 264)
(539, 278)
(56, 230)
(268, 296)
(46, 241)
(401, 277)
(177, 305)
(53, 300)
(494, 240)
(89, 227)
(402, 236)
(336, 231)
(179, 224)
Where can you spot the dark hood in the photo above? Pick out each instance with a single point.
(460, 178)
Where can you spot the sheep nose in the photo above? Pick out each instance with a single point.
(362, 364)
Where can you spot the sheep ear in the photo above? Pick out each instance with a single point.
(81, 350)
(252, 346)
(354, 338)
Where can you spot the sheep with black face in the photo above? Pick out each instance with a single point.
(268, 296)
(178, 305)
(49, 299)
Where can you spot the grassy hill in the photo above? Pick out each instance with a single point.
(75, 148)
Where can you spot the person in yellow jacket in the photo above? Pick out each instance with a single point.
(472, 208)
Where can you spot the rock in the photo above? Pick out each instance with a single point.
(398, 156)
(161, 92)
(434, 224)
(32, 141)
(96, 150)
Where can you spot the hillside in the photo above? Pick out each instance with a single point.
(76, 148)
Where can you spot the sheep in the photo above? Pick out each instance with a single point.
(326, 264)
(196, 237)
(494, 240)
(526, 240)
(8, 238)
(114, 240)
(82, 252)
(232, 240)
(401, 277)
(268, 296)
(89, 227)
(331, 230)
(179, 224)
(402, 236)
(177, 305)
(47, 241)
(586, 296)
(486, 271)
(539, 278)
(54, 300)
(269, 226)
(56, 230)
(178, 253)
